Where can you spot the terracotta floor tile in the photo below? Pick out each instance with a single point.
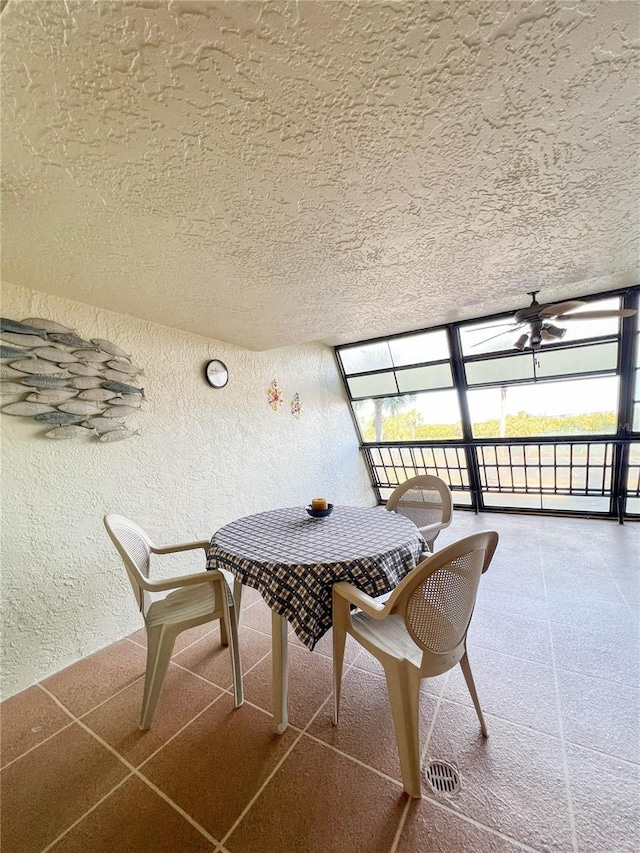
(605, 653)
(520, 691)
(606, 801)
(511, 634)
(365, 729)
(514, 766)
(430, 828)
(594, 615)
(577, 578)
(600, 714)
(321, 801)
(310, 683)
(85, 684)
(26, 719)
(212, 661)
(324, 646)
(217, 764)
(116, 721)
(45, 791)
(134, 819)
(432, 686)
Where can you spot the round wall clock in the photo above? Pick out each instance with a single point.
(216, 373)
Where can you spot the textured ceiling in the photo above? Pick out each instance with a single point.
(278, 172)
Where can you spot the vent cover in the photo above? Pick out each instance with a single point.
(442, 777)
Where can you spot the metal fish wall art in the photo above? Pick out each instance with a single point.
(14, 352)
(27, 410)
(112, 349)
(51, 396)
(39, 366)
(57, 354)
(47, 325)
(75, 386)
(71, 431)
(13, 326)
(118, 434)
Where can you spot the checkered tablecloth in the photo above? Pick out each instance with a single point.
(294, 560)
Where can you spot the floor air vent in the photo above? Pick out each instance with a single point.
(442, 777)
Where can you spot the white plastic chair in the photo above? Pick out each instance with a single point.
(420, 632)
(425, 500)
(198, 598)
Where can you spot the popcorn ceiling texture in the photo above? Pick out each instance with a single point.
(204, 457)
(274, 173)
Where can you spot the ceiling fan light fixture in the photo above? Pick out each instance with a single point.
(556, 332)
(521, 342)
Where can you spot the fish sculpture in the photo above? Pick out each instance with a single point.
(120, 412)
(82, 369)
(53, 354)
(98, 395)
(15, 388)
(27, 410)
(125, 367)
(112, 349)
(71, 431)
(40, 381)
(21, 340)
(47, 325)
(118, 434)
(70, 340)
(51, 396)
(14, 352)
(104, 424)
(122, 388)
(59, 418)
(7, 372)
(16, 328)
(39, 366)
(131, 400)
(80, 407)
(93, 356)
(83, 383)
(116, 375)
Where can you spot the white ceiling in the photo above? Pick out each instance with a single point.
(278, 172)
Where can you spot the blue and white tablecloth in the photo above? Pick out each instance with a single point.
(294, 559)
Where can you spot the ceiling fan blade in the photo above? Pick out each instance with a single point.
(597, 315)
(506, 331)
(560, 308)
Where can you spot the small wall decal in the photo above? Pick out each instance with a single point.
(296, 407)
(275, 397)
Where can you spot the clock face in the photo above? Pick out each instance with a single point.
(216, 373)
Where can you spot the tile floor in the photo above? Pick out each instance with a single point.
(554, 649)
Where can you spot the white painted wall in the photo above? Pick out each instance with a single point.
(204, 457)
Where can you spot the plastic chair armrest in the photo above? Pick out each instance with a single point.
(187, 546)
(361, 600)
(182, 580)
(433, 528)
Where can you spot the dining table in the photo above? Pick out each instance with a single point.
(294, 559)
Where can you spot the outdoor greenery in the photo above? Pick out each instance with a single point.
(408, 426)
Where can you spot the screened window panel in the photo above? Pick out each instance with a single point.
(579, 360)
(427, 378)
(491, 336)
(373, 385)
(359, 359)
(575, 503)
(413, 349)
(636, 417)
(508, 369)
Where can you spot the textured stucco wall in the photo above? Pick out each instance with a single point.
(204, 457)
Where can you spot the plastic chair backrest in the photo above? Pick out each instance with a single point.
(440, 594)
(135, 548)
(424, 499)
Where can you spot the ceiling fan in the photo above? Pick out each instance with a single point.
(537, 317)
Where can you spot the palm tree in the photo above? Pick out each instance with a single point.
(383, 406)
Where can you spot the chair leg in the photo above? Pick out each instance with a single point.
(159, 647)
(234, 651)
(403, 683)
(341, 619)
(468, 677)
(237, 597)
(224, 636)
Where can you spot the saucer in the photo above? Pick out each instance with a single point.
(320, 513)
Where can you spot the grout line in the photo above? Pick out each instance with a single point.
(134, 772)
(563, 749)
(400, 827)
